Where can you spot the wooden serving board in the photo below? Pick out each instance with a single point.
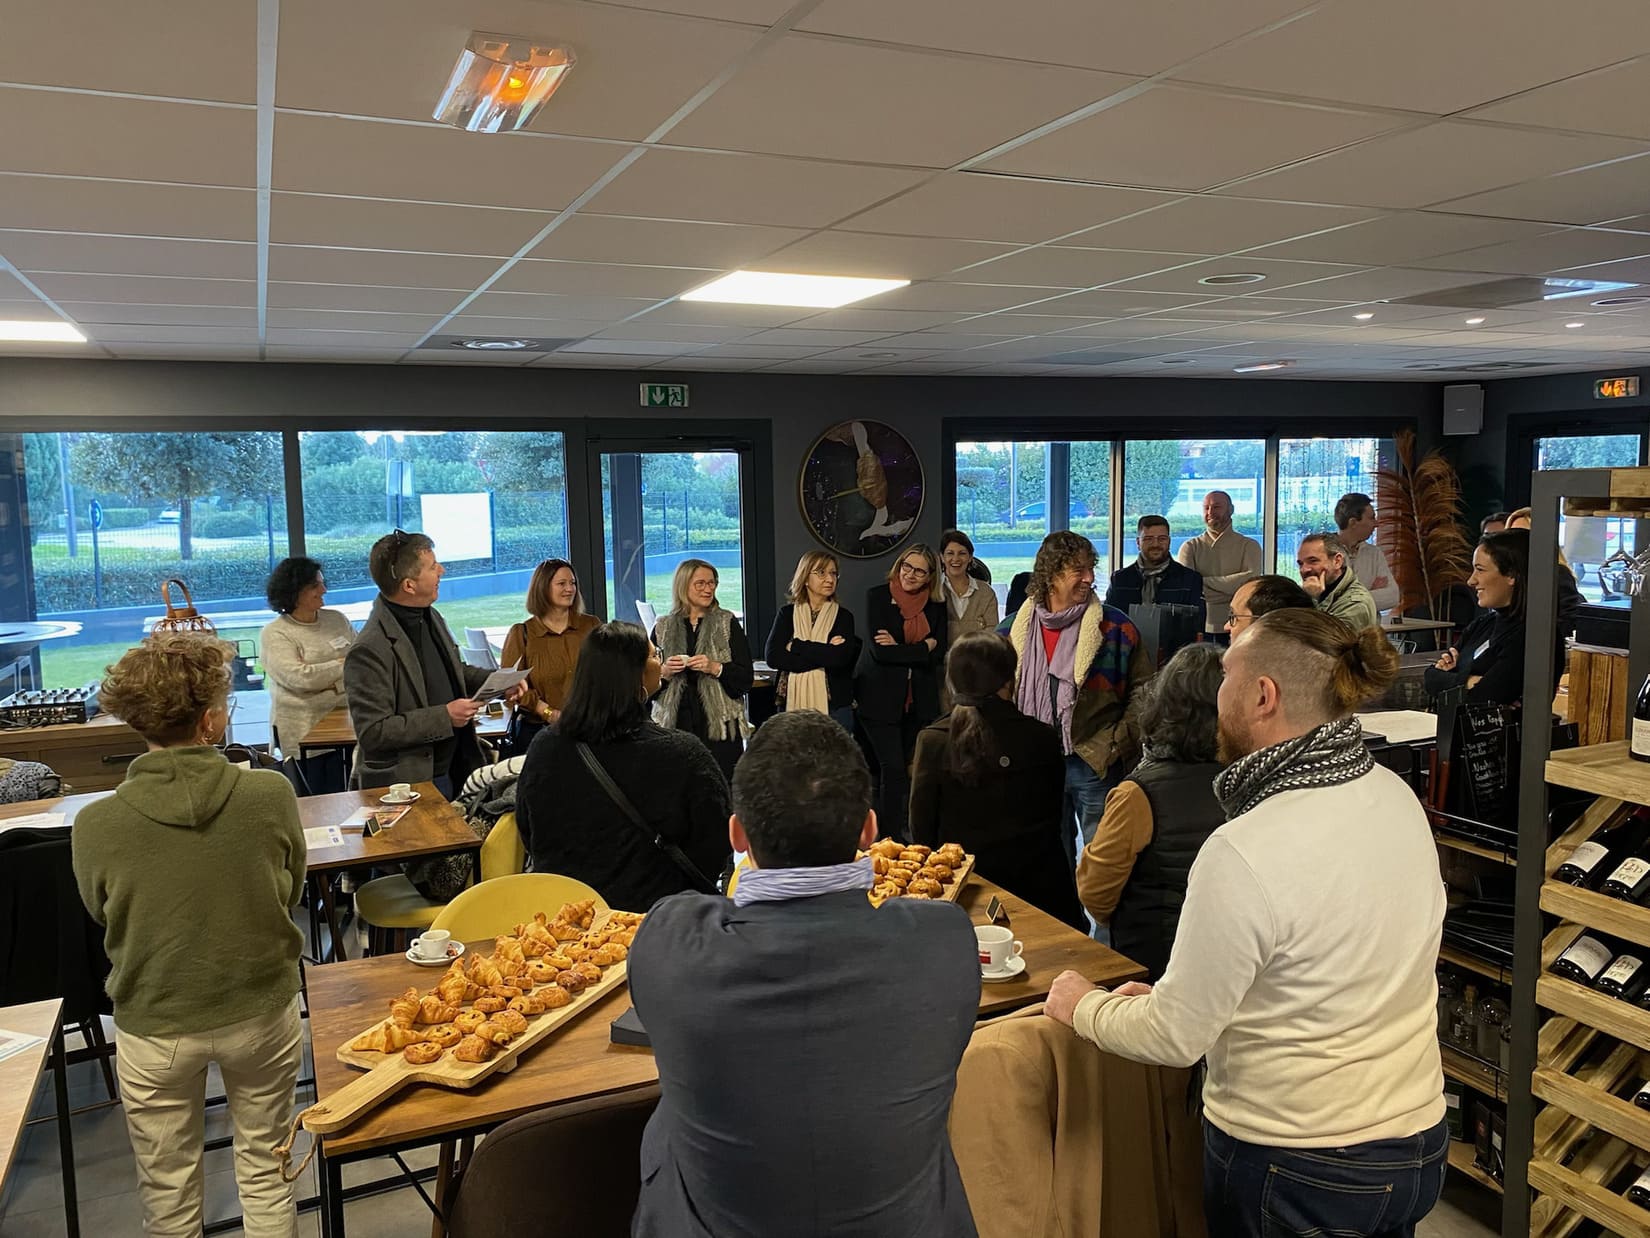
(388, 1073)
(959, 876)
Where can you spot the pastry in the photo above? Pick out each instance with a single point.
(423, 1053)
(490, 1004)
(606, 956)
(433, 1010)
(528, 1005)
(485, 972)
(574, 951)
(404, 1009)
(559, 961)
(541, 971)
(554, 998)
(445, 1034)
(565, 932)
(571, 982)
(468, 1020)
(513, 1022)
(493, 1033)
(506, 991)
(924, 887)
(386, 1038)
(507, 948)
(473, 1049)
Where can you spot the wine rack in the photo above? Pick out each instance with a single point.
(1572, 1139)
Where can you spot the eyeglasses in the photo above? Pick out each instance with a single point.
(921, 573)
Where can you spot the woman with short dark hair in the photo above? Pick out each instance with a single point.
(992, 780)
(302, 650)
(573, 823)
(1133, 874)
(970, 603)
(547, 644)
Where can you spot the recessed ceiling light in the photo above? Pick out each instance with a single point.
(500, 82)
(1236, 277)
(1614, 302)
(1364, 317)
(1473, 322)
(1573, 325)
(18, 331)
(1262, 365)
(493, 345)
(783, 288)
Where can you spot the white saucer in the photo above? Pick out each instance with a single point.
(455, 950)
(384, 799)
(1016, 968)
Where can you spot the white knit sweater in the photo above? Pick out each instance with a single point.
(1304, 968)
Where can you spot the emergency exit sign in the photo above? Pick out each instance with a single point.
(1615, 388)
(664, 395)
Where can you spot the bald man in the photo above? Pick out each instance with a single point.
(1223, 557)
(1303, 966)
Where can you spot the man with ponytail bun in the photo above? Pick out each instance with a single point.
(1303, 964)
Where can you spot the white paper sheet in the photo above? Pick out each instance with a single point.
(498, 683)
(12, 1043)
(323, 836)
(1401, 726)
(34, 821)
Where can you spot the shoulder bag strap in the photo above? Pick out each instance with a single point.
(672, 852)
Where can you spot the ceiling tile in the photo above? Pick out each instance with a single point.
(634, 68)
(1140, 39)
(886, 257)
(943, 341)
(21, 310)
(366, 299)
(76, 251)
(463, 356)
(817, 365)
(902, 107)
(1389, 283)
(183, 352)
(881, 321)
(1185, 139)
(770, 352)
(1543, 255)
(545, 305)
(638, 348)
(1009, 325)
(982, 207)
(154, 333)
(333, 356)
(342, 339)
(815, 338)
(1428, 55)
(545, 328)
(648, 327)
(13, 289)
(594, 361)
(171, 315)
(147, 289)
(707, 313)
(662, 242)
(204, 49)
(1583, 197)
(600, 279)
(331, 155)
(1053, 266)
(133, 139)
(1211, 225)
(343, 320)
(1403, 237)
(1632, 270)
(1438, 162)
(1123, 303)
(1278, 273)
(873, 355)
(366, 223)
(1613, 100)
(127, 208)
(301, 264)
(975, 298)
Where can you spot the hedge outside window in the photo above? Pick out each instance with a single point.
(1169, 477)
(1313, 473)
(1003, 492)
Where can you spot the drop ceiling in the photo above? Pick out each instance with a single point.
(260, 180)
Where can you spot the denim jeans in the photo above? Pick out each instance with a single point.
(1085, 800)
(1366, 1190)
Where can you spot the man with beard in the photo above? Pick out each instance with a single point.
(1224, 558)
(1079, 662)
(1154, 578)
(1328, 578)
(1303, 965)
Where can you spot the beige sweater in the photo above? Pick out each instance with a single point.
(1304, 969)
(1225, 562)
(304, 663)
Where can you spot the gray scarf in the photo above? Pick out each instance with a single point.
(1150, 578)
(1325, 756)
(724, 716)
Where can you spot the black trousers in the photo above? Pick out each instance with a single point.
(894, 744)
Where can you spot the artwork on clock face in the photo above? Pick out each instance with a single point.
(861, 488)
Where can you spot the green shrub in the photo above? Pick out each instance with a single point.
(118, 518)
(233, 524)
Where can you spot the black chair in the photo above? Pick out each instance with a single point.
(596, 1151)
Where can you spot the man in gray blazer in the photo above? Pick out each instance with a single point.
(807, 1042)
(408, 689)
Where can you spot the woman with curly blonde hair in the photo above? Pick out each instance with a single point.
(189, 840)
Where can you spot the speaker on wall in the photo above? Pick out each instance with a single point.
(1463, 408)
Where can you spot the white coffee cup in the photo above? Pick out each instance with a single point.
(400, 791)
(432, 945)
(997, 946)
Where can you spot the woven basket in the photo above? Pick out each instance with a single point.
(183, 618)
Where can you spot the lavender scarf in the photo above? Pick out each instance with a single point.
(1049, 692)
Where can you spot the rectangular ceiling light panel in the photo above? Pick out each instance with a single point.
(780, 288)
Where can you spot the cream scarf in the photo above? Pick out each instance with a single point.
(808, 689)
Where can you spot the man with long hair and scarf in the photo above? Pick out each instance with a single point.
(1079, 664)
(1303, 963)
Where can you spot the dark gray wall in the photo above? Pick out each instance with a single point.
(50, 394)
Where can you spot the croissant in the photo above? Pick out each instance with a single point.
(541, 971)
(529, 1005)
(404, 1009)
(490, 1004)
(467, 1021)
(605, 956)
(473, 1049)
(507, 949)
(493, 1033)
(485, 972)
(558, 961)
(924, 887)
(446, 1035)
(452, 987)
(562, 931)
(624, 937)
(532, 948)
(386, 1038)
(423, 1053)
(588, 971)
(628, 919)
(513, 1022)
(506, 991)
(574, 952)
(571, 982)
(435, 1010)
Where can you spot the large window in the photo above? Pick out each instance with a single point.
(1589, 541)
(1169, 477)
(113, 515)
(1313, 473)
(1011, 495)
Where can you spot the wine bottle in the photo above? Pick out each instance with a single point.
(1641, 1098)
(1638, 744)
(1625, 977)
(1601, 855)
(1585, 960)
(1629, 880)
(1463, 1020)
(1639, 1192)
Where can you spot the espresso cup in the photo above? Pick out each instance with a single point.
(400, 791)
(997, 947)
(432, 945)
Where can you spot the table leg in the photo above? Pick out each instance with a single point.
(330, 1180)
(329, 908)
(65, 1135)
(443, 1189)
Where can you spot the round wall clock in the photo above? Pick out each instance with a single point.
(861, 488)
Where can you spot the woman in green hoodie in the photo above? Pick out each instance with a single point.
(193, 867)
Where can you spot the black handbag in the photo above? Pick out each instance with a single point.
(696, 879)
(519, 734)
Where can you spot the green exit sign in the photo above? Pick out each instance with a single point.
(664, 395)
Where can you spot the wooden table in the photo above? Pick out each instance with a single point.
(336, 731)
(18, 1076)
(68, 805)
(89, 756)
(1416, 625)
(581, 1065)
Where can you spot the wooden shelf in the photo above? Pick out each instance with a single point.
(1592, 1105)
(1461, 1156)
(1460, 958)
(1615, 916)
(1602, 769)
(1477, 849)
(1473, 1072)
(1593, 1201)
(1616, 1018)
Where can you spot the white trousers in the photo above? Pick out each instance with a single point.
(163, 1088)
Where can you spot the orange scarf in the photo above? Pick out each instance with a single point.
(911, 607)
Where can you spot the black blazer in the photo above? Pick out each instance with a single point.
(768, 1023)
(881, 679)
(786, 653)
(1493, 647)
(1012, 820)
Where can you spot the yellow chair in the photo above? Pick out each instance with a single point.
(497, 906)
(394, 904)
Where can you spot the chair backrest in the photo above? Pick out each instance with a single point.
(595, 1151)
(649, 616)
(482, 657)
(475, 638)
(497, 906)
(54, 948)
(502, 854)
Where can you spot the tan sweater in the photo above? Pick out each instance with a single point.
(1225, 562)
(304, 663)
